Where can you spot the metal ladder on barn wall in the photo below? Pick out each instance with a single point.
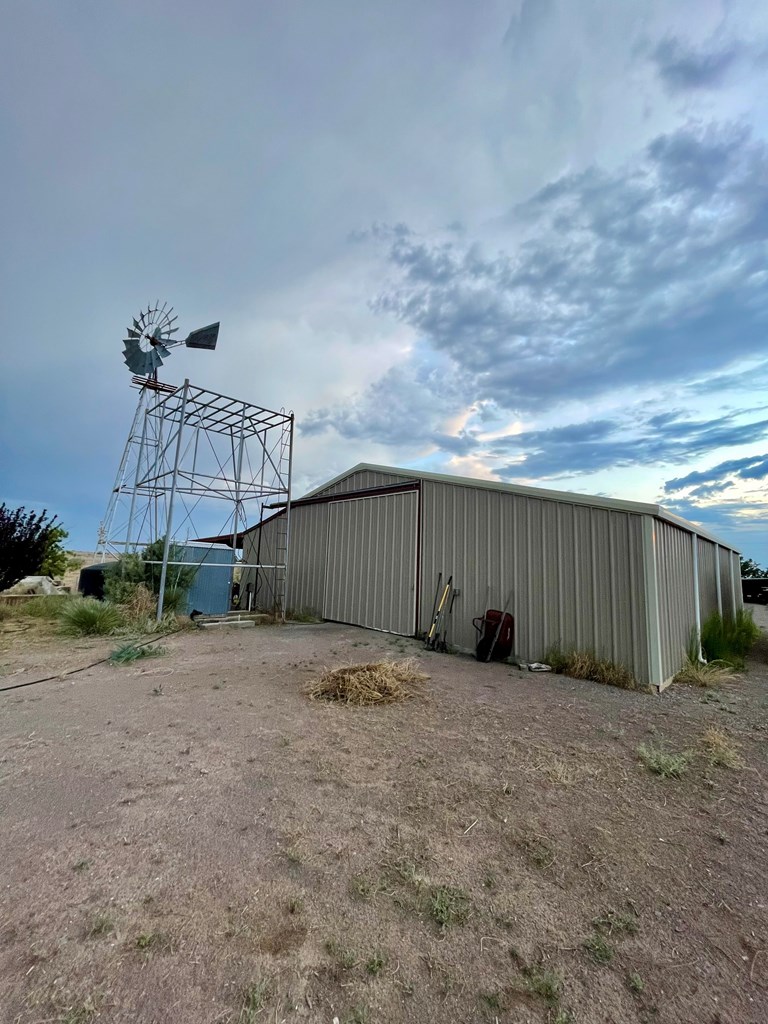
(283, 522)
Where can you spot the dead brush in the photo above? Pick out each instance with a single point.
(140, 607)
(723, 752)
(706, 674)
(382, 682)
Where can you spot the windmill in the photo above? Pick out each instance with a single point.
(189, 452)
(150, 339)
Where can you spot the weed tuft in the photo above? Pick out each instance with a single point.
(635, 982)
(295, 905)
(598, 948)
(253, 997)
(360, 685)
(81, 865)
(375, 963)
(545, 983)
(661, 762)
(448, 905)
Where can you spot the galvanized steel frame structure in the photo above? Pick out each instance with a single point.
(626, 579)
(191, 446)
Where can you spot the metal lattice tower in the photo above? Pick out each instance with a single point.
(198, 463)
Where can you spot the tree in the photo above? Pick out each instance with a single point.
(23, 540)
(55, 559)
(752, 571)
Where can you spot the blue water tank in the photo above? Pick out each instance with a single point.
(210, 592)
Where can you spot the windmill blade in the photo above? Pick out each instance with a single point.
(132, 333)
(161, 350)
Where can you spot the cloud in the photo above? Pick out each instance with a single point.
(683, 68)
(753, 467)
(603, 444)
(651, 272)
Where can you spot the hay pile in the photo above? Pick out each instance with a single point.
(361, 685)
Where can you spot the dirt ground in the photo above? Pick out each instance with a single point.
(189, 839)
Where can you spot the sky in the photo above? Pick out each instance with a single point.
(523, 241)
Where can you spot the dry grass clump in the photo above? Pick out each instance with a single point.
(707, 674)
(721, 749)
(585, 665)
(382, 682)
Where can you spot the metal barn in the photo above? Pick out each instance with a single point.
(623, 579)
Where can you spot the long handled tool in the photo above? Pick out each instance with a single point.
(499, 628)
(434, 629)
(442, 643)
(434, 603)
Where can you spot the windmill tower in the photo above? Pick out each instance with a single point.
(196, 463)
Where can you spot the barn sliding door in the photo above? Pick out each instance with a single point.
(371, 568)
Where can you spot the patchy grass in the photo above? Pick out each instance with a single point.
(662, 762)
(295, 905)
(379, 683)
(615, 922)
(538, 849)
(253, 998)
(49, 607)
(598, 949)
(586, 665)
(359, 1014)
(721, 750)
(102, 924)
(448, 905)
(302, 615)
(344, 957)
(81, 865)
(82, 1013)
(89, 617)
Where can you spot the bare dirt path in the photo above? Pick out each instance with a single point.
(189, 839)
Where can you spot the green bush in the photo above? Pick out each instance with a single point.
(89, 617)
(123, 578)
(728, 640)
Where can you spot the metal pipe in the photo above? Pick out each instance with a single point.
(696, 595)
(288, 514)
(128, 537)
(169, 518)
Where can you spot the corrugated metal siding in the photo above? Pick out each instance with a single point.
(576, 573)
(306, 559)
(707, 578)
(371, 577)
(360, 481)
(677, 611)
(726, 582)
